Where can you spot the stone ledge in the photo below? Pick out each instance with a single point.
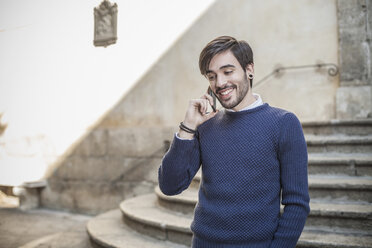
(29, 194)
(35, 184)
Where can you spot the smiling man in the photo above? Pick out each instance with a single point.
(253, 158)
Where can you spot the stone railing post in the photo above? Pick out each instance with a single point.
(354, 96)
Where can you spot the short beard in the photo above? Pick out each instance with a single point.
(243, 90)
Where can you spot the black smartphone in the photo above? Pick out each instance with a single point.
(210, 92)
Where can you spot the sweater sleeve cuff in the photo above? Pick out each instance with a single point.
(178, 137)
(181, 144)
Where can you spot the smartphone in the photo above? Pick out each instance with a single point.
(210, 92)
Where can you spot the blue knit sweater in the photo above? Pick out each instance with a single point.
(252, 161)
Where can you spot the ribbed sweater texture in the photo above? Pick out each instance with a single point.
(252, 161)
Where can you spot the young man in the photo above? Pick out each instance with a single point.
(253, 158)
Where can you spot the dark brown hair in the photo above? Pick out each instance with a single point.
(241, 50)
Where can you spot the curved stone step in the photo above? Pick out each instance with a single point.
(323, 213)
(349, 127)
(108, 230)
(184, 202)
(354, 164)
(339, 143)
(143, 212)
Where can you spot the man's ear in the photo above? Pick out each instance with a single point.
(250, 68)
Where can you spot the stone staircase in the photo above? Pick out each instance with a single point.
(340, 184)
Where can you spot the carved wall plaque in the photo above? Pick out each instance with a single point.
(105, 24)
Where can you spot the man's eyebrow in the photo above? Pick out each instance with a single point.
(226, 66)
(222, 67)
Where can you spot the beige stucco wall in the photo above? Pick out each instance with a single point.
(285, 32)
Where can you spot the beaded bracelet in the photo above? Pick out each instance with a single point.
(186, 129)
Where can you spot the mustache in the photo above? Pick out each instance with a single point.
(218, 89)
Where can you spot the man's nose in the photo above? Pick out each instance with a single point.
(221, 81)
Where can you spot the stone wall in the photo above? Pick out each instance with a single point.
(108, 165)
(354, 97)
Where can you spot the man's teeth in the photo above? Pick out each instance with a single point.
(226, 92)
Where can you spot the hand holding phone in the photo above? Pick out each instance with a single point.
(197, 114)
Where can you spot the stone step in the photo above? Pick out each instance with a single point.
(185, 203)
(349, 127)
(351, 216)
(108, 230)
(333, 240)
(339, 143)
(354, 215)
(346, 188)
(145, 215)
(355, 164)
